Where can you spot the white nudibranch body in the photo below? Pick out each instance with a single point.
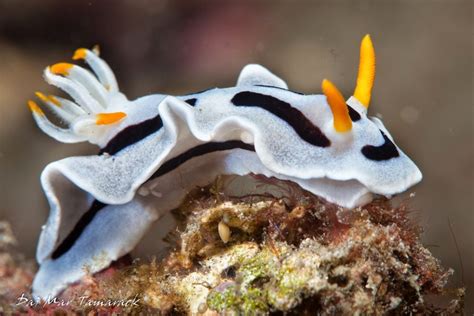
(154, 149)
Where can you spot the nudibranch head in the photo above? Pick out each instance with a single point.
(346, 142)
(98, 106)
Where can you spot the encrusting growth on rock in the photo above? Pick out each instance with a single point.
(293, 254)
(16, 273)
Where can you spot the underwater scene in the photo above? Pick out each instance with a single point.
(236, 157)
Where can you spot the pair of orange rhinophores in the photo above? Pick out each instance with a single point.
(342, 120)
(362, 92)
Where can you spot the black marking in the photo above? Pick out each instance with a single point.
(385, 151)
(302, 126)
(280, 88)
(199, 150)
(85, 219)
(191, 102)
(355, 116)
(168, 166)
(132, 134)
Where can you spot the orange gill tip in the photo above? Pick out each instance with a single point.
(41, 96)
(96, 49)
(54, 100)
(79, 54)
(34, 107)
(109, 118)
(366, 74)
(340, 112)
(49, 98)
(61, 68)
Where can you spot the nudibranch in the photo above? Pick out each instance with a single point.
(155, 148)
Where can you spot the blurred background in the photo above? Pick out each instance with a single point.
(422, 90)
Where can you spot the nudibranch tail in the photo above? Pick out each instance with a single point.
(342, 120)
(366, 75)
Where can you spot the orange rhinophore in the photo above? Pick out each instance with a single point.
(366, 75)
(342, 120)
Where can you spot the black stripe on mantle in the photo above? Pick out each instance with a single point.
(302, 125)
(132, 134)
(165, 168)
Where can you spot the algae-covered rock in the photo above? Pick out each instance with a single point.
(16, 273)
(291, 254)
(295, 254)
